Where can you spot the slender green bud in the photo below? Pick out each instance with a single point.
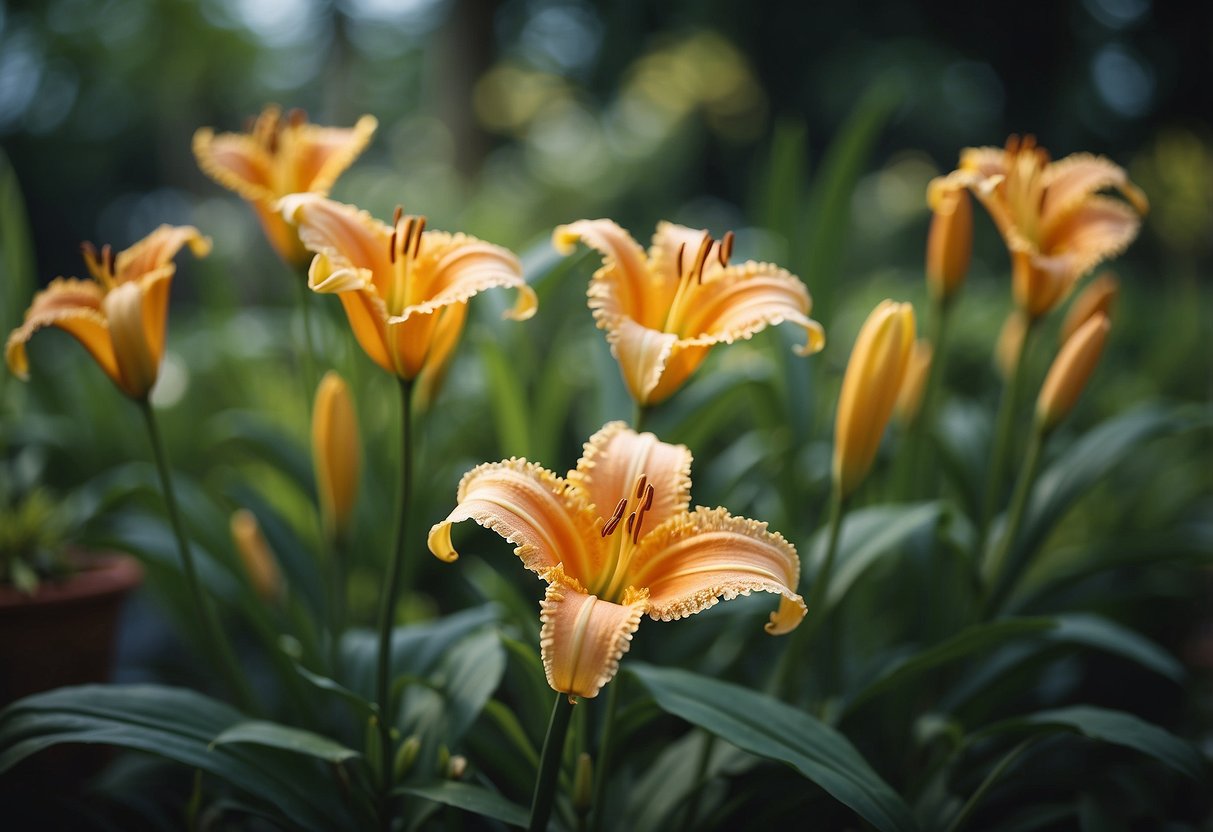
(406, 756)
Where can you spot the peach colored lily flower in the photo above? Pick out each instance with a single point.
(615, 540)
(120, 316)
(280, 156)
(403, 288)
(664, 310)
(1055, 222)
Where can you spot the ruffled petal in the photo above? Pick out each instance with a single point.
(73, 306)
(454, 267)
(584, 637)
(616, 456)
(623, 283)
(531, 507)
(745, 299)
(237, 162)
(320, 154)
(642, 354)
(663, 253)
(691, 562)
(127, 308)
(1070, 181)
(158, 249)
(1101, 228)
(348, 236)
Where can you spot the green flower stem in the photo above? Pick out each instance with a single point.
(216, 643)
(1003, 435)
(308, 353)
(392, 588)
(801, 638)
(639, 415)
(549, 763)
(337, 549)
(605, 749)
(975, 799)
(1001, 572)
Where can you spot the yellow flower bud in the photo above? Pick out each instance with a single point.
(1071, 368)
(1010, 341)
(335, 452)
(869, 390)
(256, 556)
(909, 397)
(949, 240)
(1099, 296)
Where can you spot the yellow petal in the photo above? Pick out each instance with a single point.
(663, 253)
(745, 299)
(1099, 229)
(321, 154)
(584, 637)
(336, 452)
(869, 390)
(1039, 282)
(282, 236)
(73, 306)
(625, 269)
(454, 267)
(642, 354)
(984, 161)
(442, 350)
(616, 456)
(349, 237)
(158, 249)
(529, 506)
(693, 561)
(367, 315)
(237, 162)
(1071, 181)
(127, 307)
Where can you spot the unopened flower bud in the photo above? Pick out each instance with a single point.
(457, 767)
(406, 755)
(869, 390)
(1010, 343)
(256, 556)
(1099, 296)
(583, 784)
(1070, 371)
(909, 397)
(335, 452)
(950, 238)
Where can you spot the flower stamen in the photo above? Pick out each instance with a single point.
(404, 247)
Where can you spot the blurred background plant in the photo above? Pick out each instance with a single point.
(812, 133)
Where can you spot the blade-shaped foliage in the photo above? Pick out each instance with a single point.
(178, 724)
(769, 728)
(286, 738)
(1116, 727)
(470, 798)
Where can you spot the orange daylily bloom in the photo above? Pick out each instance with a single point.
(280, 156)
(614, 540)
(403, 288)
(1052, 215)
(120, 316)
(664, 310)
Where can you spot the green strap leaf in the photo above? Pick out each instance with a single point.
(474, 799)
(869, 534)
(764, 726)
(296, 740)
(1116, 727)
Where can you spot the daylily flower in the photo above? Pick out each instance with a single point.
(1055, 222)
(280, 156)
(402, 286)
(615, 540)
(120, 316)
(663, 311)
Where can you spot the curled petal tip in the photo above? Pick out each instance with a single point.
(815, 339)
(439, 541)
(565, 240)
(788, 617)
(528, 303)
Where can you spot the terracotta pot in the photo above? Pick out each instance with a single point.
(63, 634)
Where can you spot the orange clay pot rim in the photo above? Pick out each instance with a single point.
(97, 575)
